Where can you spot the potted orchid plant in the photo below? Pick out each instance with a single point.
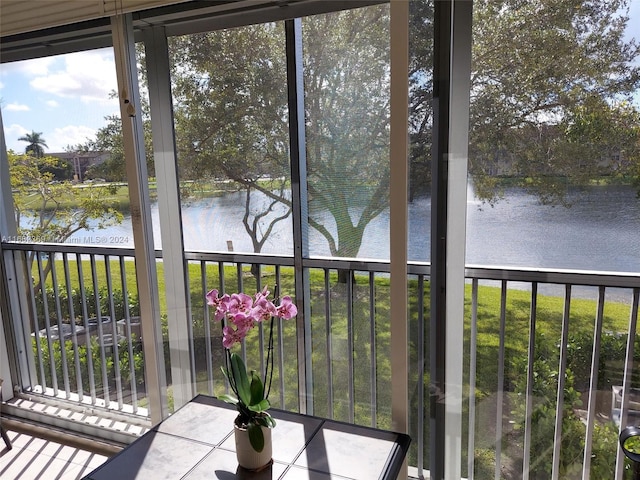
(239, 314)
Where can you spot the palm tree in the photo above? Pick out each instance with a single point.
(36, 142)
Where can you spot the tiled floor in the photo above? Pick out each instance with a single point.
(33, 458)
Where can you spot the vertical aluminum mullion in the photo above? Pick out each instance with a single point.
(47, 326)
(103, 359)
(21, 372)
(179, 321)
(15, 276)
(626, 383)
(593, 384)
(124, 49)
(398, 214)
(350, 347)
(421, 358)
(299, 209)
(500, 388)
(533, 315)
(329, 347)
(87, 335)
(115, 350)
(61, 340)
(127, 321)
(562, 368)
(207, 325)
(473, 360)
(74, 333)
(451, 91)
(372, 350)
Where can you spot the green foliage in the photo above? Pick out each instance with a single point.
(60, 296)
(543, 419)
(545, 75)
(250, 400)
(89, 359)
(109, 139)
(551, 83)
(611, 360)
(52, 212)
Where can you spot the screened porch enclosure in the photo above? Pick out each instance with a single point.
(297, 135)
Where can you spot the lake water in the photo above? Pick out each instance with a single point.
(600, 231)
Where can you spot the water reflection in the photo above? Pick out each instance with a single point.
(600, 231)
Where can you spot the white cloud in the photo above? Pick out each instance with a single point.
(87, 76)
(29, 68)
(60, 138)
(57, 139)
(52, 103)
(11, 134)
(1, 85)
(17, 107)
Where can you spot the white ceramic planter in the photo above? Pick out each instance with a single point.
(247, 457)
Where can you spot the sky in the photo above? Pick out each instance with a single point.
(67, 97)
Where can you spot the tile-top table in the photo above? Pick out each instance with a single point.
(197, 443)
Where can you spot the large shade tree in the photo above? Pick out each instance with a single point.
(346, 79)
(536, 66)
(231, 117)
(230, 105)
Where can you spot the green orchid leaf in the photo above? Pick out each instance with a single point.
(260, 406)
(266, 420)
(228, 398)
(239, 373)
(256, 437)
(257, 389)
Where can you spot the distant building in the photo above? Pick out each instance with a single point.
(81, 161)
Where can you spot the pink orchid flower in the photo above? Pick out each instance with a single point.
(287, 308)
(231, 336)
(263, 309)
(239, 302)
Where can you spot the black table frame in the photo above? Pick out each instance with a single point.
(196, 442)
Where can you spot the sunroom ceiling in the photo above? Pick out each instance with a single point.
(39, 28)
(20, 16)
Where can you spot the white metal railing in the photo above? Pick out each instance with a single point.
(520, 324)
(84, 328)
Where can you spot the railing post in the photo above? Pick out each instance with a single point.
(626, 384)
